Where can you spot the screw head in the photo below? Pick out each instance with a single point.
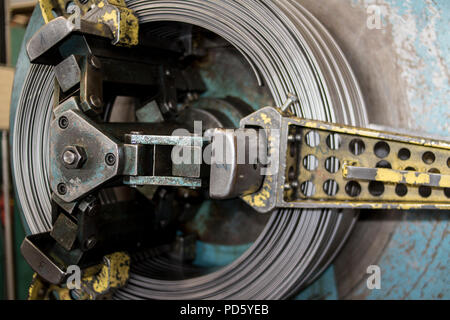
(110, 159)
(63, 122)
(61, 188)
(90, 242)
(89, 206)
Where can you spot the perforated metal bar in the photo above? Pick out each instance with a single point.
(343, 166)
(324, 165)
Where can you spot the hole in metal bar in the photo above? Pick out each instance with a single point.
(308, 188)
(404, 154)
(291, 174)
(332, 164)
(310, 162)
(334, 141)
(381, 149)
(376, 188)
(312, 139)
(330, 187)
(447, 192)
(401, 190)
(425, 191)
(383, 164)
(428, 157)
(353, 188)
(357, 147)
(292, 149)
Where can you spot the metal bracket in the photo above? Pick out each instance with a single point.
(325, 165)
(122, 23)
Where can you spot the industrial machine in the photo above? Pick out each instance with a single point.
(124, 146)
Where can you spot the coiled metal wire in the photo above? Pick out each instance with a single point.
(290, 52)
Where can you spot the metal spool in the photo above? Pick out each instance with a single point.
(290, 52)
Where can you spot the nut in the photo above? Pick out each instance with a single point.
(73, 157)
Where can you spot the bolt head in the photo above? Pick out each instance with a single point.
(73, 157)
(89, 206)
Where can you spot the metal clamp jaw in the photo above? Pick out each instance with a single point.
(107, 18)
(97, 282)
(87, 154)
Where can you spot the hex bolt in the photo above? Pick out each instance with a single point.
(73, 157)
(290, 100)
(90, 242)
(62, 189)
(63, 122)
(89, 206)
(95, 101)
(95, 62)
(110, 159)
(69, 157)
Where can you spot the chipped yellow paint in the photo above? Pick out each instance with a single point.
(345, 165)
(110, 17)
(416, 179)
(47, 7)
(41, 290)
(113, 274)
(445, 181)
(122, 21)
(34, 288)
(266, 119)
(260, 198)
(129, 24)
(387, 175)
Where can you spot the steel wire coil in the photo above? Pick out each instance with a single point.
(290, 52)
